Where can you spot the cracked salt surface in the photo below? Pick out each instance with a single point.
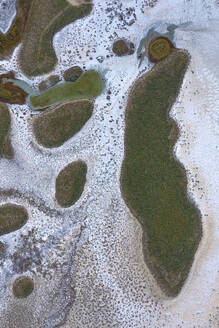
(101, 242)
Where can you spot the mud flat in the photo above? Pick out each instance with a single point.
(153, 184)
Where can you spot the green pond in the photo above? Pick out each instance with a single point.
(88, 86)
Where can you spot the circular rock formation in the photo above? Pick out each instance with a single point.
(23, 287)
(12, 218)
(123, 47)
(159, 49)
(73, 73)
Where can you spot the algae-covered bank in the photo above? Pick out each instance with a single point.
(152, 182)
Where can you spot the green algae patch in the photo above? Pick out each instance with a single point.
(12, 218)
(89, 85)
(14, 35)
(70, 183)
(46, 18)
(6, 149)
(153, 183)
(23, 287)
(58, 125)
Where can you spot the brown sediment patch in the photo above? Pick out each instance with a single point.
(12, 218)
(10, 93)
(72, 73)
(55, 127)
(46, 18)
(9, 40)
(23, 287)
(70, 183)
(48, 83)
(123, 47)
(159, 49)
(153, 183)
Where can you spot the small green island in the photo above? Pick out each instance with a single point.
(70, 183)
(23, 286)
(53, 128)
(12, 218)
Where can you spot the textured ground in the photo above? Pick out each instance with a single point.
(86, 261)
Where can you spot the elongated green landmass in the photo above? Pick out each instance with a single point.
(46, 18)
(12, 218)
(70, 183)
(152, 182)
(56, 126)
(89, 85)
